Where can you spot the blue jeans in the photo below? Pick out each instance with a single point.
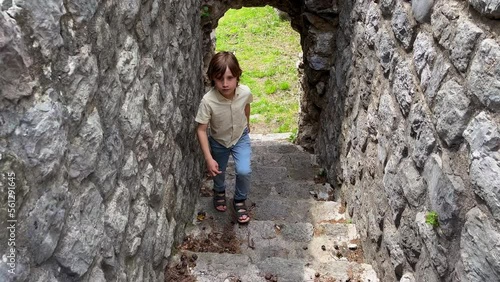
(242, 154)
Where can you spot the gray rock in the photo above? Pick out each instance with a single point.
(394, 190)
(485, 176)
(9, 121)
(484, 76)
(445, 191)
(82, 11)
(412, 183)
(436, 251)
(422, 131)
(45, 28)
(408, 277)
(488, 8)
(438, 74)
(15, 79)
(483, 135)
(480, 251)
(464, 43)
(127, 10)
(116, 216)
(385, 50)
(403, 25)
(403, 87)
(83, 152)
(131, 114)
(128, 61)
(443, 22)
(424, 55)
(452, 112)
(137, 224)
(85, 230)
(387, 6)
(46, 221)
(372, 24)
(391, 242)
(422, 9)
(42, 139)
(82, 82)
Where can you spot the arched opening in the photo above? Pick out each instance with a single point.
(316, 26)
(269, 52)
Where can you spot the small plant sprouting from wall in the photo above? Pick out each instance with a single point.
(431, 218)
(205, 12)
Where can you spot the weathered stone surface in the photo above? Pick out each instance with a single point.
(82, 11)
(385, 50)
(83, 152)
(403, 24)
(452, 112)
(463, 45)
(443, 21)
(82, 82)
(43, 18)
(483, 136)
(387, 6)
(85, 229)
(412, 183)
(424, 55)
(42, 139)
(394, 190)
(439, 72)
(46, 221)
(437, 252)
(445, 191)
(403, 87)
(484, 76)
(488, 8)
(422, 9)
(480, 251)
(372, 22)
(422, 131)
(15, 79)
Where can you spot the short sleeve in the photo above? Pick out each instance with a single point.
(204, 114)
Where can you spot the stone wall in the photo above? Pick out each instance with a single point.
(97, 123)
(411, 125)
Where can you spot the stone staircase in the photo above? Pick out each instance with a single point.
(296, 233)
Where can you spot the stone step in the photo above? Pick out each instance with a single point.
(212, 267)
(292, 210)
(296, 233)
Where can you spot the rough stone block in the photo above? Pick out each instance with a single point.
(480, 251)
(451, 112)
(463, 44)
(403, 25)
(483, 80)
(488, 8)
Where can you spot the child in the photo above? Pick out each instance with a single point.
(226, 107)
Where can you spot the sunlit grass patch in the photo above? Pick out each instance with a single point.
(268, 50)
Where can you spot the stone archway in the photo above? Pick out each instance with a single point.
(316, 22)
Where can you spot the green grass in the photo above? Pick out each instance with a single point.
(267, 49)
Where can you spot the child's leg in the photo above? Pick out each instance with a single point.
(221, 156)
(242, 154)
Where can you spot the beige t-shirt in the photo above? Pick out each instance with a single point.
(226, 117)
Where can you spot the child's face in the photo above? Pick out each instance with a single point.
(226, 84)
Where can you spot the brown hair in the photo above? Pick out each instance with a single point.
(220, 62)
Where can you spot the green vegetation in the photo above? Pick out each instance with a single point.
(432, 219)
(267, 49)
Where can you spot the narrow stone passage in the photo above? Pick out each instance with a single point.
(296, 233)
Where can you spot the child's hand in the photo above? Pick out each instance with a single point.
(213, 168)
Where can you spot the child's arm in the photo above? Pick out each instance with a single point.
(212, 165)
(247, 114)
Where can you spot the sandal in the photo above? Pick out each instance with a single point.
(241, 210)
(219, 200)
